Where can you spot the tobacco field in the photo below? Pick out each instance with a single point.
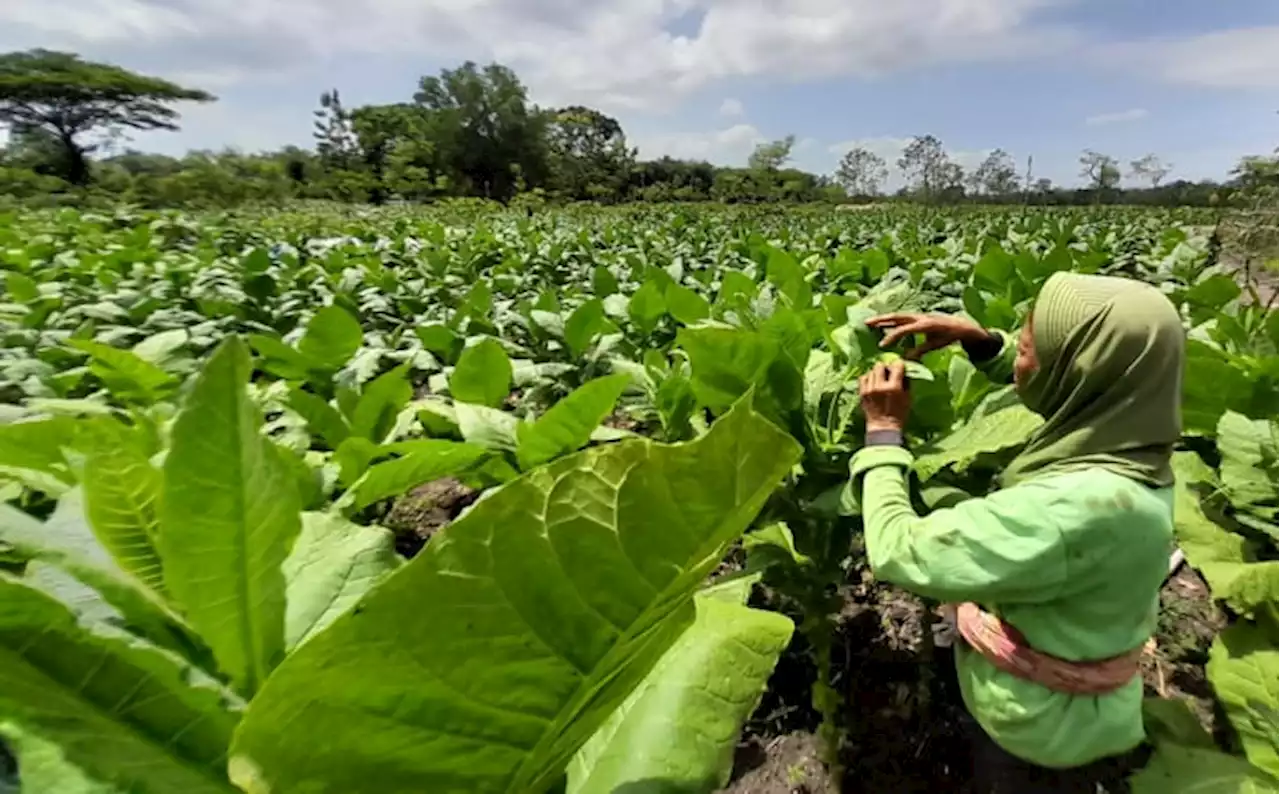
(459, 499)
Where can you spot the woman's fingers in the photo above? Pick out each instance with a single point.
(888, 320)
(917, 327)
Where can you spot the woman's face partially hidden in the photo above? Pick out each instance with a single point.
(1025, 364)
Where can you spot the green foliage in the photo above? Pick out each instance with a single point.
(680, 724)
(483, 374)
(124, 712)
(228, 518)
(225, 508)
(570, 422)
(585, 570)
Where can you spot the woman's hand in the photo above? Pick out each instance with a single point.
(939, 330)
(885, 401)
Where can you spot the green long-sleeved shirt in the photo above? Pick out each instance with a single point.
(1074, 561)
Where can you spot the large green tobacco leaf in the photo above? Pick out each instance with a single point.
(423, 461)
(1223, 557)
(66, 541)
(442, 341)
(647, 306)
(1244, 668)
(583, 325)
(228, 519)
(332, 337)
(483, 374)
(278, 358)
(568, 425)
(726, 363)
(125, 712)
(1211, 385)
(380, 402)
(38, 446)
(678, 729)
(487, 661)
(333, 564)
(686, 305)
(1175, 769)
(986, 433)
(322, 418)
(43, 767)
(487, 427)
(121, 496)
(126, 375)
(1248, 449)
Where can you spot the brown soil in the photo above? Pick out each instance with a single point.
(1189, 620)
(782, 765)
(422, 512)
(621, 420)
(906, 727)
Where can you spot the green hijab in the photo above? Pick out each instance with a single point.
(1109, 384)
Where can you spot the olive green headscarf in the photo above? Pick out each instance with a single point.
(1109, 384)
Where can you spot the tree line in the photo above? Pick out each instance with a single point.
(472, 131)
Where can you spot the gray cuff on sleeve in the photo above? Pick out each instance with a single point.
(884, 438)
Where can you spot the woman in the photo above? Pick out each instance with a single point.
(1067, 559)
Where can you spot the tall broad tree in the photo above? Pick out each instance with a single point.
(771, 155)
(491, 137)
(996, 175)
(1149, 168)
(74, 99)
(1102, 170)
(861, 172)
(397, 149)
(588, 153)
(927, 167)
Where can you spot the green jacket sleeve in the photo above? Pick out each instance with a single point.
(1001, 548)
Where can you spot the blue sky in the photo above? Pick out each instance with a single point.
(1193, 82)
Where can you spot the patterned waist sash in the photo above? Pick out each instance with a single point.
(1006, 649)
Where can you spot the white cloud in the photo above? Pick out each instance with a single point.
(731, 108)
(729, 146)
(1240, 58)
(616, 53)
(1119, 117)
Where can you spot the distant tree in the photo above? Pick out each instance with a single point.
(861, 172)
(1149, 168)
(587, 152)
(136, 162)
(1043, 185)
(996, 175)
(771, 155)
(491, 139)
(925, 165)
(332, 129)
(1101, 170)
(391, 139)
(1255, 177)
(951, 179)
(61, 94)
